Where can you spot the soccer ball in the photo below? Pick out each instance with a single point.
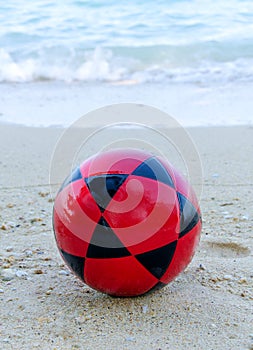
(126, 222)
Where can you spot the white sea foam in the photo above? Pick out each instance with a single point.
(105, 66)
(139, 41)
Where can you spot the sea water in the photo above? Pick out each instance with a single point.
(142, 40)
(206, 43)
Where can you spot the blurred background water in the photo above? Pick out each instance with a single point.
(176, 41)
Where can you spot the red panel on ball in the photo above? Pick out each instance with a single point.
(141, 212)
(68, 241)
(186, 247)
(119, 276)
(183, 186)
(116, 162)
(85, 200)
(70, 208)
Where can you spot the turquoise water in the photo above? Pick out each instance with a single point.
(175, 41)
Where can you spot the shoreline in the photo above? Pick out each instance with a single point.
(191, 104)
(64, 127)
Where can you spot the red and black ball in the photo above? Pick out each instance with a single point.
(126, 222)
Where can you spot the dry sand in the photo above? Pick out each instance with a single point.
(44, 306)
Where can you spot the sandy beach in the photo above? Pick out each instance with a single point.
(44, 306)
